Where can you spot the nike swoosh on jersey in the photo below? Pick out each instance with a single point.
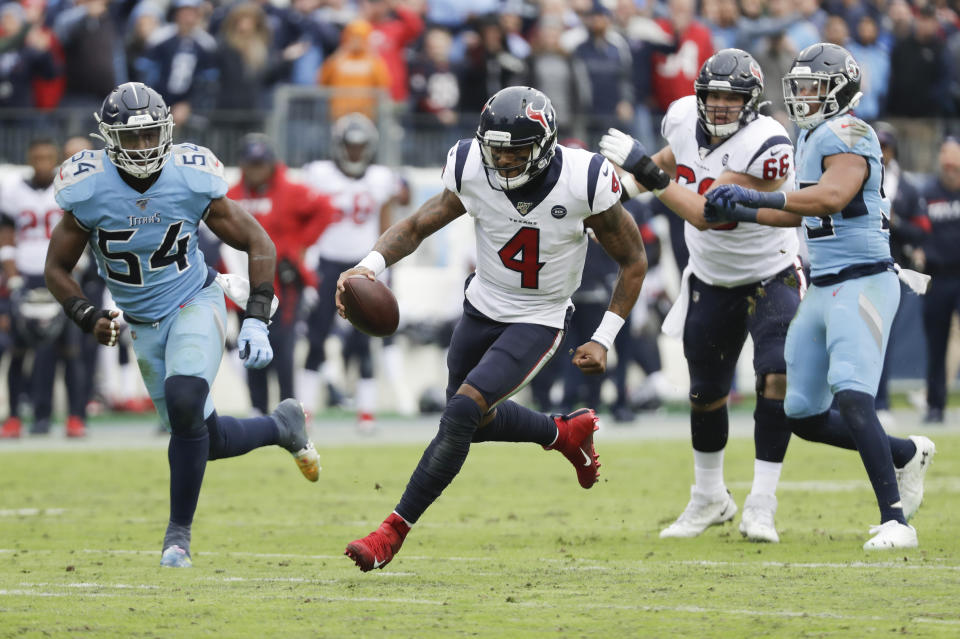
(606, 169)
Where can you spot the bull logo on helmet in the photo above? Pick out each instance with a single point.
(537, 115)
(755, 71)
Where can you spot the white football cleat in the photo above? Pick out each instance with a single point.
(891, 534)
(910, 477)
(701, 512)
(756, 524)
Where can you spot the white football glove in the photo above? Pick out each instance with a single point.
(616, 145)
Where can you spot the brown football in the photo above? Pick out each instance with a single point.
(370, 306)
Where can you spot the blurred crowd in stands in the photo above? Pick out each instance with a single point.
(602, 61)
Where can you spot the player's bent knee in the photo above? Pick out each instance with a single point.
(797, 406)
(772, 386)
(469, 391)
(185, 399)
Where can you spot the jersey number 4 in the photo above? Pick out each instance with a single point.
(526, 244)
(160, 258)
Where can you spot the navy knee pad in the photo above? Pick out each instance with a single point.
(708, 429)
(185, 398)
(707, 391)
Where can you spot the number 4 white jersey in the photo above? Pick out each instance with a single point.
(33, 213)
(359, 200)
(531, 241)
(739, 253)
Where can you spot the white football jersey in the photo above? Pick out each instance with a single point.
(360, 200)
(34, 213)
(531, 245)
(745, 252)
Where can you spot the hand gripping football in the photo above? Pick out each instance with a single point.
(370, 306)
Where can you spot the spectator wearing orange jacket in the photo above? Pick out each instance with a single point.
(294, 216)
(355, 66)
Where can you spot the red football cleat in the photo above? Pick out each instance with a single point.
(11, 428)
(575, 441)
(76, 427)
(378, 548)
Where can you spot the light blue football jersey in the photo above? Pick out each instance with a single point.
(145, 243)
(860, 233)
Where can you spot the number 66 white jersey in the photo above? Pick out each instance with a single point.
(531, 241)
(737, 253)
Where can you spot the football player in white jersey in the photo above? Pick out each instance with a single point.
(29, 214)
(364, 192)
(532, 201)
(741, 278)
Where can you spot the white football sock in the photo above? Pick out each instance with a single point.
(708, 473)
(765, 477)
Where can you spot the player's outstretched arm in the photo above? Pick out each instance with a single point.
(403, 238)
(620, 238)
(843, 177)
(67, 242)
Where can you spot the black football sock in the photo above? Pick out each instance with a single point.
(516, 423)
(771, 435)
(872, 444)
(231, 437)
(189, 444)
(442, 459)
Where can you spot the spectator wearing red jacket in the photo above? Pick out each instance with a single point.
(294, 216)
(674, 73)
(396, 27)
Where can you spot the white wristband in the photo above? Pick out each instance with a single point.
(375, 262)
(630, 186)
(610, 325)
(8, 253)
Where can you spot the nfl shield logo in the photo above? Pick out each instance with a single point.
(523, 207)
(142, 203)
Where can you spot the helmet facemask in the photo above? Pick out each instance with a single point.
(811, 97)
(736, 115)
(141, 147)
(355, 144)
(536, 162)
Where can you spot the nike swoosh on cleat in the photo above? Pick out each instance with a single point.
(377, 563)
(586, 457)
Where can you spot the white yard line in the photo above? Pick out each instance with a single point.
(30, 512)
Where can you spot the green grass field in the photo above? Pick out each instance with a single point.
(515, 548)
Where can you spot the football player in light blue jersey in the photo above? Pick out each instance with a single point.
(138, 203)
(836, 342)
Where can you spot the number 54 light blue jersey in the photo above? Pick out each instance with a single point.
(860, 233)
(145, 243)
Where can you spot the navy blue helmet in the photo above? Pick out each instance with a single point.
(728, 71)
(512, 118)
(355, 140)
(137, 128)
(37, 316)
(823, 82)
